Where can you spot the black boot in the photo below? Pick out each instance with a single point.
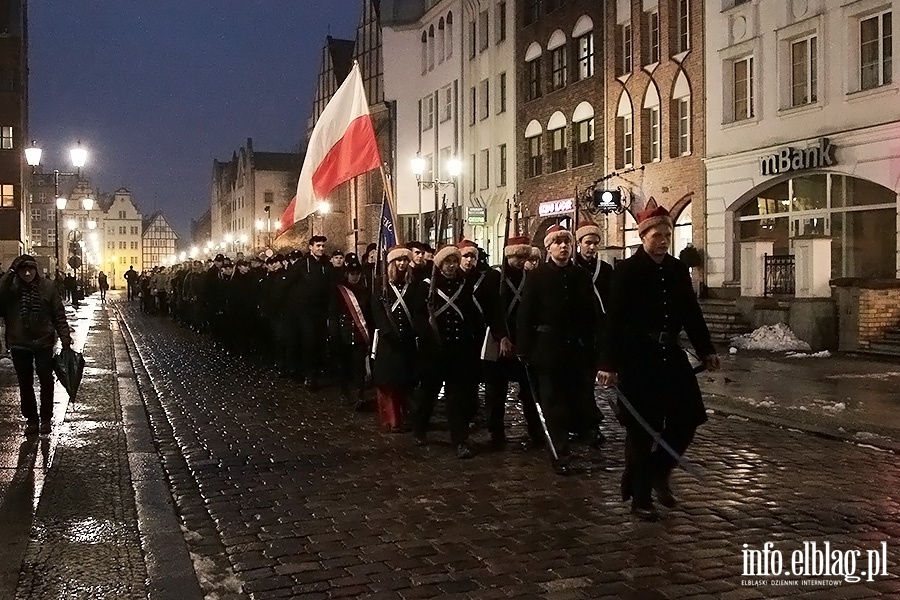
(644, 510)
(663, 490)
(625, 485)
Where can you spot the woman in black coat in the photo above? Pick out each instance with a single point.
(652, 301)
(394, 344)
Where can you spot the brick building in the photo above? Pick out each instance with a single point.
(655, 116)
(559, 86)
(13, 127)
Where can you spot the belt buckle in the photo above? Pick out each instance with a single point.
(664, 338)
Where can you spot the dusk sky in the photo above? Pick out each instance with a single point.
(155, 91)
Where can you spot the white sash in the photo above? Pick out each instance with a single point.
(449, 302)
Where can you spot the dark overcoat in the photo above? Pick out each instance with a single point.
(558, 321)
(395, 356)
(650, 304)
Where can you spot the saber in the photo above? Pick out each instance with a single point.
(540, 412)
(657, 438)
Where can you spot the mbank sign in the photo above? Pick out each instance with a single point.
(789, 159)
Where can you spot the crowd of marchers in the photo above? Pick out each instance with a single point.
(412, 322)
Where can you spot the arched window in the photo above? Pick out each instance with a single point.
(556, 127)
(535, 164)
(624, 132)
(583, 36)
(558, 59)
(440, 41)
(431, 47)
(424, 51)
(583, 135)
(533, 71)
(651, 128)
(680, 116)
(449, 35)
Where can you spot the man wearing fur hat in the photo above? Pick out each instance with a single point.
(34, 316)
(557, 336)
(448, 323)
(587, 236)
(485, 285)
(652, 301)
(507, 368)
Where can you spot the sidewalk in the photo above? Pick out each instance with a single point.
(72, 527)
(848, 397)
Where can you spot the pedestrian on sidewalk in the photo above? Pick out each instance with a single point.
(34, 316)
(103, 284)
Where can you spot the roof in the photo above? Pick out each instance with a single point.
(277, 161)
(401, 12)
(341, 52)
(147, 222)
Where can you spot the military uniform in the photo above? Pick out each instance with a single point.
(557, 336)
(651, 303)
(311, 295)
(350, 325)
(394, 344)
(448, 355)
(506, 369)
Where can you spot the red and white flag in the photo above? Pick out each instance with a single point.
(342, 146)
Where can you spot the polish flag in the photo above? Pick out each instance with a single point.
(342, 146)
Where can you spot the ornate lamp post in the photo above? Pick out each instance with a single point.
(453, 168)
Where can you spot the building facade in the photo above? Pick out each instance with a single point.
(44, 222)
(353, 218)
(655, 122)
(559, 150)
(13, 128)
(122, 232)
(252, 189)
(489, 106)
(424, 81)
(803, 121)
(159, 242)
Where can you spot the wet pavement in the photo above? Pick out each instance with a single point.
(847, 397)
(79, 514)
(287, 494)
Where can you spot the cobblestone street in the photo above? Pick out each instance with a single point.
(303, 498)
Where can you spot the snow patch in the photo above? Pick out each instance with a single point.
(756, 403)
(732, 350)
(212, 582)
(822, 354)
(774, 338)
(868, 435)
(190, 536)
(871, 447)
(883, 376)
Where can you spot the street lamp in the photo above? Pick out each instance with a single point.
(78, 156)
(453, 168)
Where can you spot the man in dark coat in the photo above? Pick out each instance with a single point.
(485, 283)
(421, 267)
(557, 336)
(587, 236)
(310, 297)
(34, 317)
(273, 308)
(652, 301)
(131, 279)
(506, 367)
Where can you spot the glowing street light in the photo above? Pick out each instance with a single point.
(79, 156)
(71, 224)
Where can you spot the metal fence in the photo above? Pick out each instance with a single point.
(779, 274)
